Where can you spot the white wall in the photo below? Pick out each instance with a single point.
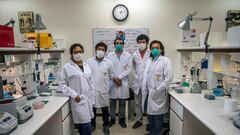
(74, 19)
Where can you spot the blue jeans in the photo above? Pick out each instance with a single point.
(156, 123)
(122, 108)
(85, 128)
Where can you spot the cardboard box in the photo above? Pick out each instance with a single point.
(46, 40)
(233, 36)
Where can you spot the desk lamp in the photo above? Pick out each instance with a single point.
(12, 21)
(185, 25)
(39, 26)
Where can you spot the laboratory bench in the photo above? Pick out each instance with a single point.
(191, 114)
(53, 119)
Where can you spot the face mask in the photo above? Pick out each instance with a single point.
(119, 48)
(77, 57)
(100, 54)
(142, 46)
(155, 52)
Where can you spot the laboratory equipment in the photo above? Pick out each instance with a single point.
(50, 78)
(219, 91)
(209, 96)
(8, 123)
(185, 25)
(1, 88)
(235, 92)
(19, 108)
(196, 88)
(236, 121)
(230, 105)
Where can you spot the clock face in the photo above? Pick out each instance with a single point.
(120, 12)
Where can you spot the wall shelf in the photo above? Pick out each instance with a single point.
(235, 75)
(6, 51)
(14, 76)
(232, 49)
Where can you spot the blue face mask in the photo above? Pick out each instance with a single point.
(155, 52)
(119, 48)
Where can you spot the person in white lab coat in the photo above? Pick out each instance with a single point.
(75, 81)
(122, 62)
(102, 72)
(139, 60)
(156, 80)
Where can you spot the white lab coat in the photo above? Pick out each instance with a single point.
(139, 65)
(122, 68)
(157, 78)
(102, 72)
(73, 81)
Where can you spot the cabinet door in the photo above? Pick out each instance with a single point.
(65, 110)
(176, 124)
(176, 107)
(67, 125)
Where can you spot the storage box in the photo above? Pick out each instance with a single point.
(233, 36)
(46, 40)
(6, 36)
(214, 39)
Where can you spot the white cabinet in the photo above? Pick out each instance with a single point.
(67, 123)
(176, 117)
(59, 124)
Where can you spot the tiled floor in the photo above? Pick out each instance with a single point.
(117, 130)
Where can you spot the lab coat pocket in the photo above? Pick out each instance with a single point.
(105, 75)
(159, 96)
(157, 76)
(155, 95)
(82, 100)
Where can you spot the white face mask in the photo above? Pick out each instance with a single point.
(78, 57)
(100, 54)
(142, 46)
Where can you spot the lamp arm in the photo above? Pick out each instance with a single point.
(201, 18)
(207, 35)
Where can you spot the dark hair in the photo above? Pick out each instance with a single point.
(101, 44)
(161, 46)
(118, 39)
(74, 46)
(143, 37)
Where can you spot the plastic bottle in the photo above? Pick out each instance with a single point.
(50, 78)
(218, 91)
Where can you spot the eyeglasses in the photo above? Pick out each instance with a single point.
(118, 43)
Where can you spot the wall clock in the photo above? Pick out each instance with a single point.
(120, 12)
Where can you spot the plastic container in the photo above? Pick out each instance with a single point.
(50, 78)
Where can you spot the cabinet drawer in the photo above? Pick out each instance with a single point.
(176, 107)
(65, 110)
(176, 124)
(67, 125)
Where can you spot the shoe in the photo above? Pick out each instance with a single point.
(147, 127)
(137, 125)
(106, 130)
(112, 122)
(122, 123)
